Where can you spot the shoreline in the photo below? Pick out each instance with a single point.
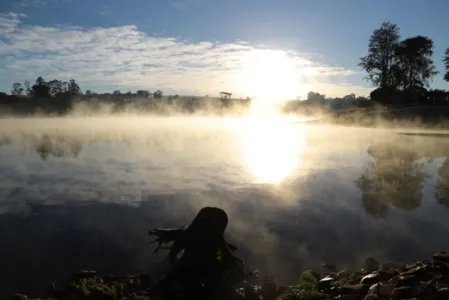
(422, 280)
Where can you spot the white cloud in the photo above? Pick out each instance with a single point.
(37, 3)
(129, 59)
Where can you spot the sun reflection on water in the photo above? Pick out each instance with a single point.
(271, 147)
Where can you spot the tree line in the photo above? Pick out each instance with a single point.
(56, 88)
(43, 89)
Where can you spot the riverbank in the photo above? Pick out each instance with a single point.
(427, 279)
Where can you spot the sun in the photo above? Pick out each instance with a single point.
(270, 75)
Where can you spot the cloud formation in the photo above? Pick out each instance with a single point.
(127, 58)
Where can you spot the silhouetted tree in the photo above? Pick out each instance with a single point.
(437, 96)
(158, 94)
(142, 93)
(381, 54)
(316, 98)
(55, 87)
(40, 88)
(17, 89)
(89, 93)
(446, 64)
(413, 66)
(73, 87)
(116, 92)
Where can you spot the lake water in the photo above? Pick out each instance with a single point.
(82, 193)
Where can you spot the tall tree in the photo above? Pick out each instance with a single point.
(17, 89)
(73, 87)
(40, 88)
(413, 62)
(381, 53)
(446, 64)
(55, 87)
(116, 92)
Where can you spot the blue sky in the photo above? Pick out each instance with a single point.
(248, 47)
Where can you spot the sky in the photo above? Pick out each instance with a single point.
(282, 48)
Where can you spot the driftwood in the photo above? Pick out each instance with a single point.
(207, 266)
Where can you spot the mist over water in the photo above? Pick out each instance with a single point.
(82, 192)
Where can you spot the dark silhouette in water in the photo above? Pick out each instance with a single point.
(397, 175)
(208, 266)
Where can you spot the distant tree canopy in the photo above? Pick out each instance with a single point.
(143, 93)
(43, 89)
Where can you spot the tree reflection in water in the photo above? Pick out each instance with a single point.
(57, 146)
(396, 177)
(46, 145)
(442, 184)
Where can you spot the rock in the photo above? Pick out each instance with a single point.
(344, 273)
(358, 289)
(370, 279)
(422, 292)
(441, 257)
(19, 297)
(371, 297)
(403, 293)
(442, 293)
(391, 266)
(371, 264)
(441, 267)
(84, 274)
(420, 272)
(325, 283)
(387, 274)
(381, 290)
(348, 297)
(408, 280)
(330, 267)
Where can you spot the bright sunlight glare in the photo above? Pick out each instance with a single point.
(272, 77)
(271, 147)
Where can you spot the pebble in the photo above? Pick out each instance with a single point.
(381, 290)
(370, 279)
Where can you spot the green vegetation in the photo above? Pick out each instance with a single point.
(307, 289)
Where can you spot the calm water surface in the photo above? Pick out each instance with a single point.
(82, 193)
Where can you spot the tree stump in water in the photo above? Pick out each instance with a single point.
(207, 268)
